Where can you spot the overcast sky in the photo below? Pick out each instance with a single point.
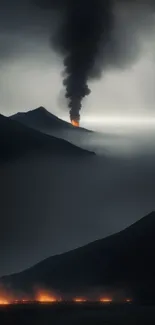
(30, 72)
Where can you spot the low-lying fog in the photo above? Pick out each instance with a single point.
(60, 204)
(129, 139)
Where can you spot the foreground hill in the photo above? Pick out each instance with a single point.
(124, 260)
(17, 139)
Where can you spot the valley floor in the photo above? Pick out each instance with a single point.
(78, 315)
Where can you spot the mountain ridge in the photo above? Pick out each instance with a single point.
(124, 260)
(42, 118)
(17, 138)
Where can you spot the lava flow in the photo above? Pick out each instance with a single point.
(79, 300)
(5, 297)
(75, 123)
(4, 302)
(45, 297)
(105, 300)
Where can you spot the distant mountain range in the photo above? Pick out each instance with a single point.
(17, 139)
(124, 260)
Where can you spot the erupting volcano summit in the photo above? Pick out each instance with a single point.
(75, 123)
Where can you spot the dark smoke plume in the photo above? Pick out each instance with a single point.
(84, 25)
(87, 23)
(89, 41)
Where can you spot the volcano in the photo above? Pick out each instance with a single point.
(17, 140)
(124, 260)
(44, 121)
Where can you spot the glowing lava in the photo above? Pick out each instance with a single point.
(79, 300)
(75, 123)
(106, 300)
(3, 302)
(45, 297)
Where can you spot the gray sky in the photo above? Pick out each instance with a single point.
(30, 72)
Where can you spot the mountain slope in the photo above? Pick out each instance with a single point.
(44, 121)
(124, 260)
(17, 139)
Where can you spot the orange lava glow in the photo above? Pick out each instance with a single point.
(105, 300)
(3, 302)
(45, 297)
(78, 300)
(75, 123)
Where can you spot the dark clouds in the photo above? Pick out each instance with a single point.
(131, 18)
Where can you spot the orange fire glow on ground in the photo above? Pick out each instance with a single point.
(79, 300)
(3, 302)
(106, 300)
(5, 296)
(22, 301)
(46, 297)
(75, 123)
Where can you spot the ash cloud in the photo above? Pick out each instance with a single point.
(83, 26)
(93, 35)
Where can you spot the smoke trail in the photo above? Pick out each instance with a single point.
(84, 25)
(94, 34)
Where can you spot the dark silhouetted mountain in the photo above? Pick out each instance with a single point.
(124, 260)
(17, 139)
(44, 121)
